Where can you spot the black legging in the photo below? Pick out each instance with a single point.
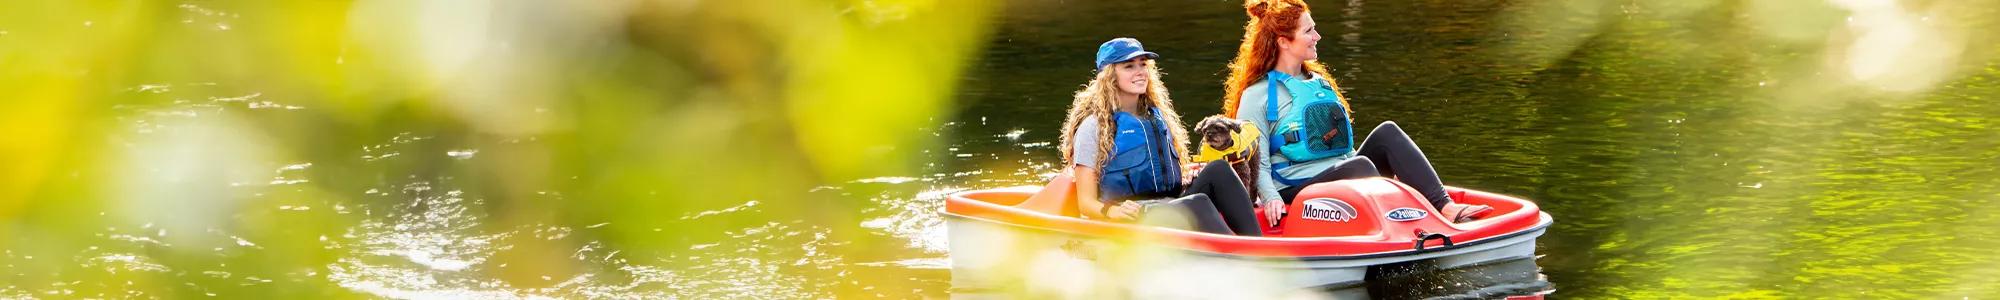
(1387, 150)
(1217, 202)
(1225, 190)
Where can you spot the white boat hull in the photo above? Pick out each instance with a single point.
(993, 258)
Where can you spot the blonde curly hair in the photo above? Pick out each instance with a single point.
(1099, 99)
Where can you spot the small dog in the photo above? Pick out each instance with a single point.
(1220, 134)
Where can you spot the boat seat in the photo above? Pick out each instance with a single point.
(1056, 198)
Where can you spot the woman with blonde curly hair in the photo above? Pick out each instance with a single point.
(1124, 145)
(1277, 84)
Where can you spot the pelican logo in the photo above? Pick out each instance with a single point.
(1079, 249)
(1406, 214)
(1328, 209)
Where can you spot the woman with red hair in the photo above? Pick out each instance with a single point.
(1277, 84)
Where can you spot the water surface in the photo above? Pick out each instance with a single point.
(1687, 149)
(1691, 149)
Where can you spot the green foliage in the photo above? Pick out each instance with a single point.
(278, 149)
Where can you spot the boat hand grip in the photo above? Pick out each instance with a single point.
(1425, 237)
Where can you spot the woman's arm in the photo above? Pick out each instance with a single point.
(1087, 203)
(1084, 147)
(1086, 192)
(1250, 109)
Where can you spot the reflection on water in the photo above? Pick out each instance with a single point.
(1418, 281)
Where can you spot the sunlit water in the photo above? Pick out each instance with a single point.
(1686, 150)
(420, 237)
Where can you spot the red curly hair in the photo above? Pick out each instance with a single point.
(1258, 55)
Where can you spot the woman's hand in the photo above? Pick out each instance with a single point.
(1273, 210)
(1125, 211)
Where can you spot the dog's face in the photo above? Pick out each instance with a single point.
(1215, 131)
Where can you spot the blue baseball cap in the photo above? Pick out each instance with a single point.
(1120, 50)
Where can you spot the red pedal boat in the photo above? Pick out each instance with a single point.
(1332, 235)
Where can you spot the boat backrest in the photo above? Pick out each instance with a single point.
(1056, 198)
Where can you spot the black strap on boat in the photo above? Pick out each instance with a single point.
(1426, 236)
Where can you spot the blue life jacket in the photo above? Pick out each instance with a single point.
(1142, 162)
(1298, 134)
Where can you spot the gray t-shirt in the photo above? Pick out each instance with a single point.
(1083, 143)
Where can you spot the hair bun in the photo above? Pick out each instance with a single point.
(1257, 8)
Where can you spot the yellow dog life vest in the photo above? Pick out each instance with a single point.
(1244, 139)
